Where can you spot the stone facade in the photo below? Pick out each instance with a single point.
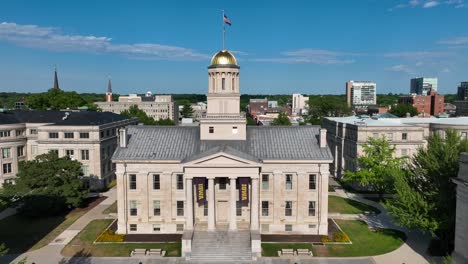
(460, 254)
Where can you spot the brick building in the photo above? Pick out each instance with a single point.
(427, 105)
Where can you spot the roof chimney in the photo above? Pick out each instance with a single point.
(123, 138)
(323, 138)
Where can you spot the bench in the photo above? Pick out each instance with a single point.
(138, 252)
(304, 252)
(286, 252)
(156, 252)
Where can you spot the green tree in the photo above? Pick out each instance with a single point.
(47, 185)
(134, 111)
(376, 168)
(187, 110)
(327, 105)
(165, 122)
(55, 100)
(3, 250)
(401, 110)
(281, 120)
(425, 195)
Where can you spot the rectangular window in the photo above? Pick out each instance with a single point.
(234, 130)
(84, 154)
(33, 131)
(180, 181)
(6, 153)
(265, 182)
(312, 208)
(55, 151)
(84, 135)
(53, 134)
(223, 83)
(390, 136)
(205, 208)
(179, 227)
(238, 208)
(102, 134)
(19, 132)
(133, 208)
(288, 228)
(211, 130)
(85, 170)
(6, 167)
(4, 133)
(20, 151)
(70, 153)
(288, 208)
(156, 208)
(264, 208)
(312, 226)
(133, 227)
(107, 133)
(312, 181)
(404, 136)
(157, 228)
(156, 182)
(132, 181)
(180, 208)
(289, 182)
(222, 183)
(69, 135)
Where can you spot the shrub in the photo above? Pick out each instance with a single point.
(340, 236)
(112, 184)
(110, 236)
(325, 239)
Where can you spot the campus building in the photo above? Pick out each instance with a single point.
(347, 135)
(361, 93)
(460, 253)
(427, 105)
(300, 104)
(222, 175)
(423, 85)
(89, 137)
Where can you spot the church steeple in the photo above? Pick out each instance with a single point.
(56, 84)
(109, 91)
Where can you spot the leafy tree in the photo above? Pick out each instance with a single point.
(281, 120)
(425, 195)
(251, 121)
(47, 185)
(3, 250)
(187, 110)
(401, 110)
(134, 111)
(55, 99)
(165, 122)
(376, 168)
(323, 106)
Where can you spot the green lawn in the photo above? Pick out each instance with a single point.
(21, 234)
(347, 206)
(82, 244)
(365, 242)
(271, 249)
(111, 209)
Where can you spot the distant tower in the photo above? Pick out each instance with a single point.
(56, 84)
(109, 91)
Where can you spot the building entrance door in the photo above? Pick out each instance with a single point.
(222, 212)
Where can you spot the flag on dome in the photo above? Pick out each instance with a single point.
(226, 20)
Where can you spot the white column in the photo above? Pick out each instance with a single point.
(233, 216)
(254, 205)
(189, 204)
(211, 205)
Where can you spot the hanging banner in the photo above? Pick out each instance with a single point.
(244, 190)
(200, 189)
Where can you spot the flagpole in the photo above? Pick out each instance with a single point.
(224, 30)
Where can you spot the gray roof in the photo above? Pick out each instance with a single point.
(184, 144)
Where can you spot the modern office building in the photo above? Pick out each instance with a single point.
(347, 135)
(300, 104)
(462, 93)
(428, 105)
(423, 85)
(361, 93)
(222, 175)
(89, 137)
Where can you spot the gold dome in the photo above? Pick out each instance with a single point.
(223, 57)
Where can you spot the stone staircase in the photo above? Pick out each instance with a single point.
(221, 246)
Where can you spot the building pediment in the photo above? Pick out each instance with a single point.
(222, 157)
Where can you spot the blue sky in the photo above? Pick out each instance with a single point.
(310, 47)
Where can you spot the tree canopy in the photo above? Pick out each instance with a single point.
(281, 120)
(47, 185)
(134, 111)
(322, 106)
(400, 110)
(376, 167)
(425, 195)
(165, 122)
(55, 100)
(187, 110)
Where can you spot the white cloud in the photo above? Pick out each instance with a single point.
(446, 70)
(238, 52)
(313, 56)
(400, 68)
(431, 4)
(417, 55)
(455, 41)
(48, 38)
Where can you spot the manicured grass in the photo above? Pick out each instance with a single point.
(365, 242)
(82, 244)
(111, 209)
(271, 249)
(347, 206)
(21, 234)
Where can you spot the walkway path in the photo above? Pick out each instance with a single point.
(412, 251)
(51, 252)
